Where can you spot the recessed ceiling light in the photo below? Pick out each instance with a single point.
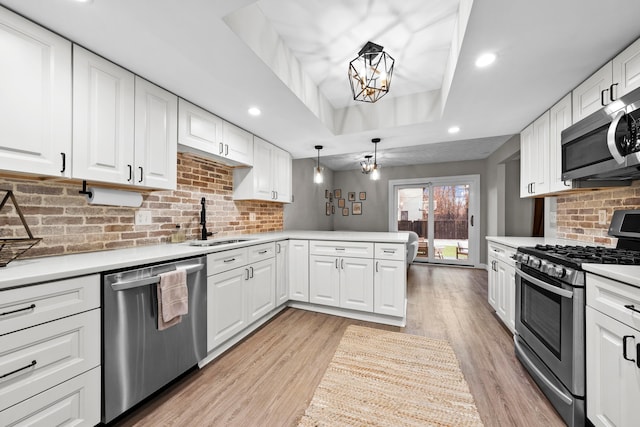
(485, 60)
(454, 129)
(254, 111)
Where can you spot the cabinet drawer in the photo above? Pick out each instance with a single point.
(43, 356)
(395, 251)
(75, 402)
(260, 252)
(353, 249)
(226, 260)
(610, 297)
(32, 305)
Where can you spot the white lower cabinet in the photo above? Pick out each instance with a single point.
(299, 270)
(389, 289)
(75, 402)
(282, 272)
(226, 310)
(613, 352)
(501, 290)
(261, 289)
(341, 282)
(239, 296)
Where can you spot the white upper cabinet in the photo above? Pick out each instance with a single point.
(208, 135)
(268, 179)
(534, 154)
(592, 94)
(559, 120)
(237, 144)
(103, 119)
(626, 70)
(156, 136)
(124, 128)
(35, 84)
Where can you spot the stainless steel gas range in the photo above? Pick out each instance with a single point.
(550, 311)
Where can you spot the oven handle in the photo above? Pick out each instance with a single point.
(553, 289)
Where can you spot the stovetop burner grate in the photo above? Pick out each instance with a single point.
(589, 254)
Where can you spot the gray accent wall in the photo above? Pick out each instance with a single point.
(307, 212)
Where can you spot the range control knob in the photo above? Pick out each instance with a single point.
(535, 263)
(557, 271)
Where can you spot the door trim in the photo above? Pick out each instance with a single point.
(474, 208)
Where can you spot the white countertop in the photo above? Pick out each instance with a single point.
(514, 242)
(629, 274)
(38, 270)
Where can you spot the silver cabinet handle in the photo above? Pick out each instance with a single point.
(229, 260)
(263, 252)
(342, 263)
(336, 262)
(226, 149)
(246, 270)
(221, 148)
(624, 348)
(377, 262)
(277, 248)
(251, 268)
(388, 251)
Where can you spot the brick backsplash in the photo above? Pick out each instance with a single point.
(577, 213)
(68, 224)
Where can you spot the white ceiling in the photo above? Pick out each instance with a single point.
(290, 58)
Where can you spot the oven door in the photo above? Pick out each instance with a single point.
(550, 320)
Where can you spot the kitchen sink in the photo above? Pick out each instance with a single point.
(216, 242)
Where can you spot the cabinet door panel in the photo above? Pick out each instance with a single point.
(199, 129)
(156, 136)
(613, 383)
(226, 308)
(389, 287)
(35, 74)
(526, 155)
(356, 284)
(299, 270)
(282, 272)
(282, 174)
(559, 120)
(587, 96)
(103, 119)
(262, 182)
(324, 280)
(626, 70)
(238, 144)
(261, 294)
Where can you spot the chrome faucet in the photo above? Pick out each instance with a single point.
(203, 220)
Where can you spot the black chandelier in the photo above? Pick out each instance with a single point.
(370, 73)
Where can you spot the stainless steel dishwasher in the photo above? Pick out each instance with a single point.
(137, 358)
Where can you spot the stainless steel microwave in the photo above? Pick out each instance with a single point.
(604, 146)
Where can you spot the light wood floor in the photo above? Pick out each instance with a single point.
(269, 379)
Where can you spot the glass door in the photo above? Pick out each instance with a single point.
(442, 212)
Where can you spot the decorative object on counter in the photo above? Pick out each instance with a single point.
(341, 203)
(12, 248)
(356, 208)
(372, 168)
(178, 235)
(345, 211)
(111, 197)
(370, 73)
(337, 193)
(318, 178)
(362, 195)
(352, 196)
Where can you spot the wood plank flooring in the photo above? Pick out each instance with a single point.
(269, 379)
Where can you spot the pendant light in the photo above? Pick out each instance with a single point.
(375, 170)
(318, 177)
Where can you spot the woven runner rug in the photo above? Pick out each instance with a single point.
(381, 378)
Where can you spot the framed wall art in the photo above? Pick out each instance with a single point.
(345, 211)
(337, 193)
(356, 208)
(352, 196)
(341, 203)
(362, 195)
(328, 209)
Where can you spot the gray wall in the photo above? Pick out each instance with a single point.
(307, 212)
(519, 212)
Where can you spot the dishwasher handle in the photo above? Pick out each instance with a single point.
(153, 280)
